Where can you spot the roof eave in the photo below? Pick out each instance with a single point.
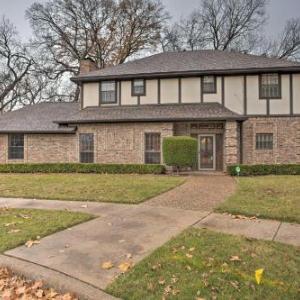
(39, 131)
(89, 121)
(90, 78)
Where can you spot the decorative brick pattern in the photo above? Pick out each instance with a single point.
(286, 140)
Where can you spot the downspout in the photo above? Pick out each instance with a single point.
(241, 143)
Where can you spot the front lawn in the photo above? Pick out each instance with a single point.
(87, 187)
(270, 197)
(201, 264)
(17, 226)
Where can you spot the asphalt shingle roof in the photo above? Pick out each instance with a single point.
(202, 61)
(38, 118)
(52, 117)
(148, 113)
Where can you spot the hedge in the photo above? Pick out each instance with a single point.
(83, 168)
(180, 151)
(258, 170)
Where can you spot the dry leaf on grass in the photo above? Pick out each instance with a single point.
(30, 243)
(188, 255)
(234, 258)
(14, 231)
(26, 217)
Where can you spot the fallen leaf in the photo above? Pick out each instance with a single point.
(161, 281)
(125, 266)
(21, 290)
(258, 275)
(14, 231)
(37, 285)
(39, 293)
(107, 265)
(192, 249)
(188, 255)
(29, 244)
(234, 258)
(128, 255)
(235, 284)
(24, 216)
(155, 267)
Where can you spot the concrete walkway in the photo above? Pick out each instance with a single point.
(253, 228)
(121, 233)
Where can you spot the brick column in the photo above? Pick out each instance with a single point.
(231, 143)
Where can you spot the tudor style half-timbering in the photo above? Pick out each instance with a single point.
(241, 109)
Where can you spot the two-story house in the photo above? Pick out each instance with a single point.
(241, 108)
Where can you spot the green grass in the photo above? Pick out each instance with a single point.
(209, 273)
(269, 197)
(32, 223)
(83, 187)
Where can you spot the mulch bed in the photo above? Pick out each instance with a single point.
(13, 287)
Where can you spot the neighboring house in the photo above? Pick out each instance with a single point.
(241, 108)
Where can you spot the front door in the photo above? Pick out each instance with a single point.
(207, 152)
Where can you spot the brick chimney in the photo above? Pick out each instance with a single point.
(87, 65)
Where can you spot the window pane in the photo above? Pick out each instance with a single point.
(270, 86)
(209, 84)
(16, 146)
(108, 86)
(152, 148)
(264, 141)
(108, 92)
(86, 146)
(138, 87)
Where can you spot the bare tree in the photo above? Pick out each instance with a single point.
(287, 45)
(108, 31)
(15, 65)
(223, 25)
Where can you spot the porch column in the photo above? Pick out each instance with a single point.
(231, 143)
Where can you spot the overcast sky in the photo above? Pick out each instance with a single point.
(278, 11)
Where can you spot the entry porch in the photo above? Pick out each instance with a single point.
(219, 142)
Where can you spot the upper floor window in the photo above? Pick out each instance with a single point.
(138, 87)
(108, 92)
(270, 86)
(16, 146)
(86, 147)
(264, 141)
(209, 85)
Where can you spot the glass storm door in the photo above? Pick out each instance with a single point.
(207, 151)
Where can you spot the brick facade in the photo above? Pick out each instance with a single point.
(113, 143)
(124, 142)
(231, 143)
(286, 140)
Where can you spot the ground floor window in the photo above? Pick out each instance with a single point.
(152, 148)
(16, 146)
(264, 141)
(86, 147)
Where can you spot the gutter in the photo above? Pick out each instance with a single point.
(184, 119)
(247, 71)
